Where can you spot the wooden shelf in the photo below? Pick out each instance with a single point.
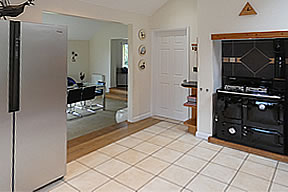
(250, 35)
(190, 105)
(252, 150)
(192, 126)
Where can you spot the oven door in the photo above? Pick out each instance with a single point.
(264, 113)
(263, 139)
(229, 108)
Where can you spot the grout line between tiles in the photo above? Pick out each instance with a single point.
(198, 173)
(229, 184)
(273, 177)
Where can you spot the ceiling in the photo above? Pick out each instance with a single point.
(145, 7)
(81, 28)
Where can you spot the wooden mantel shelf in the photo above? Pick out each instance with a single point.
(250, 35)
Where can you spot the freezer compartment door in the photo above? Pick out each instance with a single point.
(41, 121)
(5, 117)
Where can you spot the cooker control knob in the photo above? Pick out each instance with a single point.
(244, 134)
(232, 130)
(262, 107)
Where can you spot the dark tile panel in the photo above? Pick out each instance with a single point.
(241, 71)
(240, 48)
(267, 72)
(266, 46)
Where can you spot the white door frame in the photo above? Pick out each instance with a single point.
(154, 55)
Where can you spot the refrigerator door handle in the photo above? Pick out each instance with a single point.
(14, 67)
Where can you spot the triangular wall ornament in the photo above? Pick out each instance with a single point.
(248, 10)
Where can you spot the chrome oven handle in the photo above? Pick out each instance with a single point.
(252, 95)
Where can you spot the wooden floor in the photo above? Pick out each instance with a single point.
(88, 143)
(252, 150)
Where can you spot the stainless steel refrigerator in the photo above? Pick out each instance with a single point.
(32, 105)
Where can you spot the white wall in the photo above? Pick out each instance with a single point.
(100, 48)
(82, 61)
(139, 92)
(178, 14)
(222, 16)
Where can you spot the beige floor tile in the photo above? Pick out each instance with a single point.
(148, 148)
(143, 135)
(211, 146)
(234, 153)
(64, 188)
(168, 155)
(228, 161)
(160, 185)
(113, 186)
(180, 146)
(218, 172)
(205, 184)
(191, 163)
(94, 159)
(250, 183)
(134, 178)
(88, 181)
(281, 177)
(190, 139)
(75, 168)
(258, 170)
(166, 124)
(202, 153)
(234, 189)
(172, 134)
(129, 142)
(262, 160)
(278, 188)
(131, 156)
(112, 167)
(113, 149)
(160, 140)
(283, 166)
(177, 175)
(180, 127)
(152, 165)
(186, 190)
(155, 129)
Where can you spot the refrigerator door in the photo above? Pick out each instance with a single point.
(5, 117)
(41, 122)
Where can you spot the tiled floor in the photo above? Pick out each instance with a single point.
(165, 158)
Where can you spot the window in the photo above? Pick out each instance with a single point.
(125, 55)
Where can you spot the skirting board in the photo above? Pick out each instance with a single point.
(203, 135)
(252, 150)
(140, 117)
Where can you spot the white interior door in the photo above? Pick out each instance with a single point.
(170, 69)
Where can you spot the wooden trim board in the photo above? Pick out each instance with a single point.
(252, 150)
(86, 144)
(250, 35)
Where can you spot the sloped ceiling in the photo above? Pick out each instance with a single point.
(145, 7)
(81, 28)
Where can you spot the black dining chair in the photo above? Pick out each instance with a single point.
(88, 94)
(74, 96)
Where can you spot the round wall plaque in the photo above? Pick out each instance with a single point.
(142, 34)
(142, 65)
(142, 50)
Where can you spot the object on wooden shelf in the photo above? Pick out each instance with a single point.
(192, 103)
(248, 10)
(250, 35)
(252, 150)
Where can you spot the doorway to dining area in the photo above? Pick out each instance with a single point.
(92, 78)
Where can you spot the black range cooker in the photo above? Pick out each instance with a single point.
(250, 108)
